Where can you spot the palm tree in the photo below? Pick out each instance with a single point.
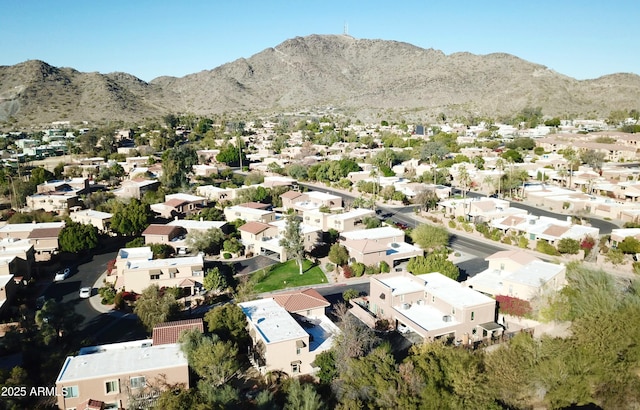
(500, 168)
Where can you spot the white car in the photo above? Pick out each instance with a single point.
(85, 293)
(62, 275)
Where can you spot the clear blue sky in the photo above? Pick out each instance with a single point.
(149, 38)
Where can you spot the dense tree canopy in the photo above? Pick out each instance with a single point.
(76, 237)
(155, 306)
(430, 236)
(130, 219)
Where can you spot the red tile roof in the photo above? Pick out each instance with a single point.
(291, 194)
(169, 332)
(255, 205)
(158, 229)
(254, 227)
(175, 202)
(41, 233)
(298, 301)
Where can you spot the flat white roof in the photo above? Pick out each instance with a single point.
(247, 210)
(375, 233)
(281, 224)
(190, 224)
(272, 321)
(452, 292)
(30, 227)
(401, 285)
(162, 263)
(427, 316)
(143, 252)
(184, 197)
(92, 214)
(321, 196)
(536, 273)
(126, 359)
(354, 213)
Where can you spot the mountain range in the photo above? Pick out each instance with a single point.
(359, 76)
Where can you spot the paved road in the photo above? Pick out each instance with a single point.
(605, 227)
(405, 214)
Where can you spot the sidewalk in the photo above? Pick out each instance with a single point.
(95, 301)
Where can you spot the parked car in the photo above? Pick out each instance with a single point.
(62, 275)
(85, 292)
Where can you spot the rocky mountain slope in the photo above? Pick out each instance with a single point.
(358, 75)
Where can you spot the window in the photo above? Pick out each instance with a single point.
(295, 367)
(111, 406)
(111, 387)
(473, 315)
(70, 392)
(433, 299)
(138, 382)
(155, 277)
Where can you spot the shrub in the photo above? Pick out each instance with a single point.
(587, 244)
(546, 248)
(347, 272)
(118, 301)
(371, 270)
(329, 267)
(568, 245)
(383, 325)
(384, 267)
(513, 306)
(482, 228)
(135, 243)
(615, 256)
(107, 294)
(358, 269)
(226, 255)
(506, 240)
(452, 224)
(523, 242)
(495, 235)
(467, 227)
(460, 219)
(349, 294)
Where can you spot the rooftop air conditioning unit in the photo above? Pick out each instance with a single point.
(405, 306)
(446, 318)
(421, 302)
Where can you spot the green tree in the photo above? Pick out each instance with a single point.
(161, 250)
(430, 236)
(229, 323)
(293, 241)
(214, 280)
(155, 306)
(56, 321)
(208, 241)
(327, 363)
(215, 361)
(568, 245)
(426, 199)
(349, 294)
(434, 262)
(76, 237)
(130, 219)
(177, 164)
(40, 175)
(303, 397)
(338, 254)
(629, 245)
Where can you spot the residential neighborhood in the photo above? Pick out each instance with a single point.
(267, 253)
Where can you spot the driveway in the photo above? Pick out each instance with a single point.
(246, 266)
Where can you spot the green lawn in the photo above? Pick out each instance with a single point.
(287, 275)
